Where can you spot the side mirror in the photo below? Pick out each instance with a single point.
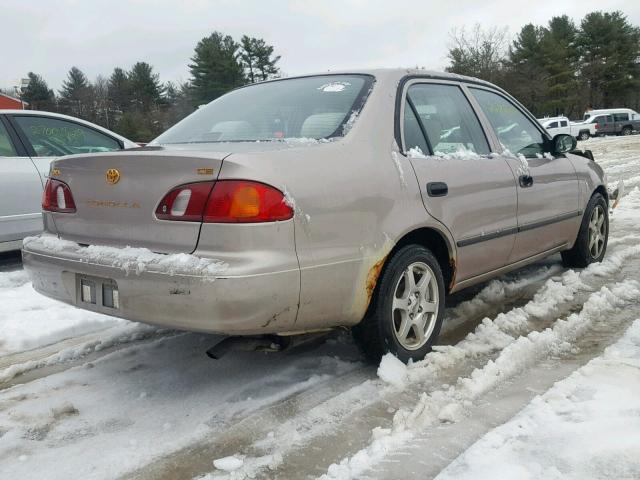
(563, 143)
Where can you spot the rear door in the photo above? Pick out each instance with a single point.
(21, 188)
(470, 191)
(548, 196)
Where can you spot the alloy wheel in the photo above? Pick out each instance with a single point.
(597, 231)
(415, 306)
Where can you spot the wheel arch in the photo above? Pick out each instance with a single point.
(439, 245)
(602, 191)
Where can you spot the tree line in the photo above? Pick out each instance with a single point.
(560, 68)
(137, 105)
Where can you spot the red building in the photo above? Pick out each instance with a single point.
(10, 103)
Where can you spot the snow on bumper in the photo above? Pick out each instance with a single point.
(177, 291)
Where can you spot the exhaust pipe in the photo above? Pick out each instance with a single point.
(265, 343)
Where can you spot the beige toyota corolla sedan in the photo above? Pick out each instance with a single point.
(357, 199)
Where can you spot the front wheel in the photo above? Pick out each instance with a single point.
(406, 311)
(593, 236)
(626, 131)
(583, 136)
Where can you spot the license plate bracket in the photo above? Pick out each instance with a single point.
(97, 293)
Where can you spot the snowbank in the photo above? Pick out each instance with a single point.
(29, 320)
(596, 428)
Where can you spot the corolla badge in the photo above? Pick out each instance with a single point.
(112, 176)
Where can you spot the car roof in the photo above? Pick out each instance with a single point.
(127, 143)
(602, 111)
(394, 74)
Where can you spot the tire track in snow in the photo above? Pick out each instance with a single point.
(454, 403)
(286, 452)
(350, 393)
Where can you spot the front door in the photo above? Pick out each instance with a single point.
(548, 195)
(464, 187)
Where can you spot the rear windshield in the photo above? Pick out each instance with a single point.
(312, 107)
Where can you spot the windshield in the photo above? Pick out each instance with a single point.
(311, 107)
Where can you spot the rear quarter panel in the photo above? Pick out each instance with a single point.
(353, 200)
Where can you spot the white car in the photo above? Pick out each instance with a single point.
(29, 141)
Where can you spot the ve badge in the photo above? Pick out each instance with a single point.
(112, 176)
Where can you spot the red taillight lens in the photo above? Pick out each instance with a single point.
(57, 197)
(225, 201)
(597, 126)
(243, 201)
(185, 203)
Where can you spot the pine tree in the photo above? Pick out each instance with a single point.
(559, 61)
(248, 57)
(526, 78)
(144, 87)
(76, 95)
(37, 93)
(610, 48)
(216, 68)
(119, 90)
(257, 59)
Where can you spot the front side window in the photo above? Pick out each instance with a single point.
(311, 107)
(621, 117)
(515, 131)
(54, 137)
(448, 119)
(553, 125)
(6, 147)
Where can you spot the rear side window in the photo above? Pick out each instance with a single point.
(6, 147)
(564, 123)
(54, 137)
(516, 132)
(447, 118)
(311, 107)
(413, 137)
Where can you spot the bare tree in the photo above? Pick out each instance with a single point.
(478, 52)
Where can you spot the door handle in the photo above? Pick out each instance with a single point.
(526, 181)
(437, 189)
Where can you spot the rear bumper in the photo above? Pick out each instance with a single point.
(246, 304)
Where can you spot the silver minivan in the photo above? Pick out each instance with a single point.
(356, 199)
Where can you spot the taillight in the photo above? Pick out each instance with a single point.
(230, 201)
(185, 203)
(243, 201)
(57, 197)
(597, 126)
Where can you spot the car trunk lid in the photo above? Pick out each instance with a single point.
(116, 195)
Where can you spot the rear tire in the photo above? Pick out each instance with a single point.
(583, 136)
(407, 307)
(593, 236)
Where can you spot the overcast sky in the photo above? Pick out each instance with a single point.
(50, 36)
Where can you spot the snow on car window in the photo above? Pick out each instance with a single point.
(318, 107)
(334, 87)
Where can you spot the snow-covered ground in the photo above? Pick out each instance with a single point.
(90, 396)
(585, 426)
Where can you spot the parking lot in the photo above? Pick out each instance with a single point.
(89, 396)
